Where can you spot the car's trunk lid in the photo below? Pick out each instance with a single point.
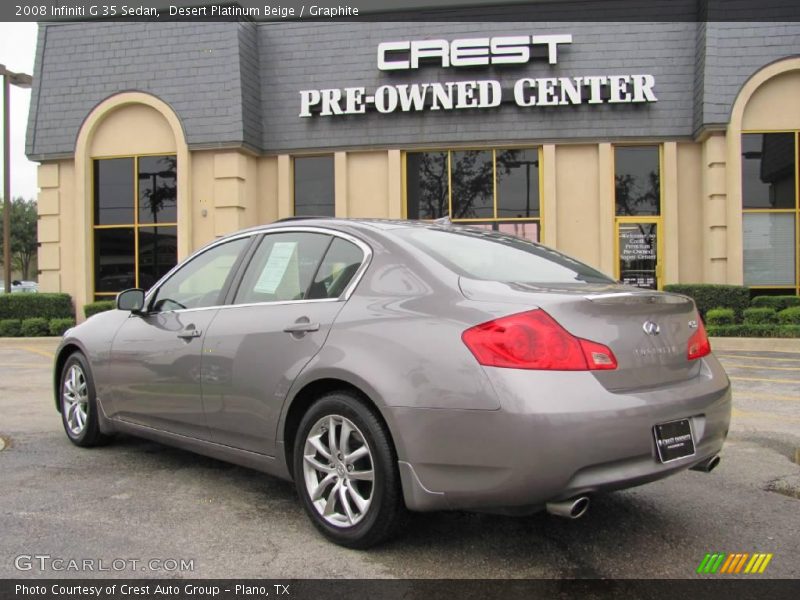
(647, 330)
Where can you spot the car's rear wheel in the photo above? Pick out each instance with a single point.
(345, 470)
(79, 403)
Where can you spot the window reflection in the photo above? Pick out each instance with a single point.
(123, 219)
(472, 178)
(637, 180)
(314, 186)
(768, 170)
(158, 252)
(500, 187)
(517, 183)
(770, 205)
(427, 185)
(115, 264)
(113, 191)
(157, 189)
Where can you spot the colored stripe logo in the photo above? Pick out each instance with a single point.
(734, 563)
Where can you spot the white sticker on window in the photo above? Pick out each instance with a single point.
(282, 256)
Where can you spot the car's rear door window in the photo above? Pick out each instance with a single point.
(337, 270)
(282, 267)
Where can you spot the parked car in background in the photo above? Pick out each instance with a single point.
(393, 365)
(21, 287)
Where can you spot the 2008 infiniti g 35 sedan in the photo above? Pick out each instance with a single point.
(386, 366)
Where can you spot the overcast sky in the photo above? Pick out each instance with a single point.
(17, 50)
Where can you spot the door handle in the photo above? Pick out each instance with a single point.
(302, 325)
(190, 332)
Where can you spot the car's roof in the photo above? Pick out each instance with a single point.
(335, 223)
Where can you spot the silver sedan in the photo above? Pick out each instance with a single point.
(387, 366)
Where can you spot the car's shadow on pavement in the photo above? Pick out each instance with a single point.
(460, 543)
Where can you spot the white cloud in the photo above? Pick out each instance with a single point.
(17, 53)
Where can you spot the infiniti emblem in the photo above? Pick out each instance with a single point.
(651, 328)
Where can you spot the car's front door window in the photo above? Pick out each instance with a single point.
(201, 281)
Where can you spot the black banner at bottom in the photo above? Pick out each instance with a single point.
(408, 589)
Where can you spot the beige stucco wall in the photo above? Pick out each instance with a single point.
(690, 212)
(132, 129)
(56, 227)
(775, 104)
(576, 203)
(367, 184)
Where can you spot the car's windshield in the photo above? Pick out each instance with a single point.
(492, 256)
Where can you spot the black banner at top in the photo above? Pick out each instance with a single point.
(403, 10)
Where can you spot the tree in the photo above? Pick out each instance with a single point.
(23, 234)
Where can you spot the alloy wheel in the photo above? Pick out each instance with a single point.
(75, 399)
(338, 470)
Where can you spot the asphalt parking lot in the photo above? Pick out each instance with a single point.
(137, 501)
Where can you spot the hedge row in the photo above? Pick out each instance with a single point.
(720, 316)
(35, 327)
(775, 302)
(711, 296)
(789, 316)
(774, 331)
(97, 307)
(44, 306)
(759, 316)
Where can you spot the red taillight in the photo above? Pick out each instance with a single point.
(534, 340)
(698, 346)
(598, 356)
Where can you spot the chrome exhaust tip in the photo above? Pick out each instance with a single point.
(574, 508)
(707, 465)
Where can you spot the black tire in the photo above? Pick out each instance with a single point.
(89, 434)
(386, 508)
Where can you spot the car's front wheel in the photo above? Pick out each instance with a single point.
(345, 470)
(79, 403)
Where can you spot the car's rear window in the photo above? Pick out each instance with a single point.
(492, 256)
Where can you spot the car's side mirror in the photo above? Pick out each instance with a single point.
(131, 300)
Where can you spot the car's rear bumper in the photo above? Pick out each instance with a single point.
(556, 436)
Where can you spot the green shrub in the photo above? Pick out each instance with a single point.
(10, 327)
(720, 316)
(768, 331)
(27, 306)
(709, 296)
(59, 326)
(789, 316)
(759, 316)
(776, 302)
(97, 307)
(35, 327)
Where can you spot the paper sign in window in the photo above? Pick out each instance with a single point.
(280, 271)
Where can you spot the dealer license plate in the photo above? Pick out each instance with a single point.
(674, 440)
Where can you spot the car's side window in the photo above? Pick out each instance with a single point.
(200, 282)
(340, 264)
(282, 267)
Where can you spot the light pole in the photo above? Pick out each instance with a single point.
(24, 81)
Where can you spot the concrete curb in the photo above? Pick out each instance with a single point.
(727, 344)
(16, 341)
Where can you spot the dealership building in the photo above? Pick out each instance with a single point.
(659, 152)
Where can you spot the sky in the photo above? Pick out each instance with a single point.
(17, 51)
